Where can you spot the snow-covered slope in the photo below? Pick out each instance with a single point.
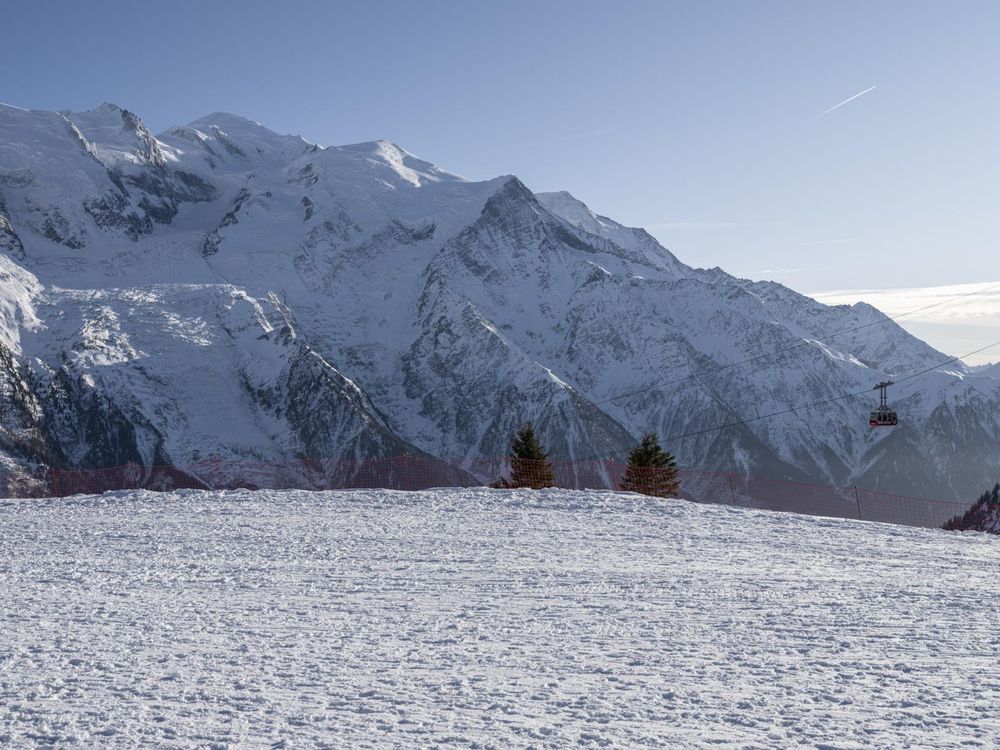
(479, 618)
(220, 289)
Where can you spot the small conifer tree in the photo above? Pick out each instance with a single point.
(984, 515)
(529, 463)
(651, 470)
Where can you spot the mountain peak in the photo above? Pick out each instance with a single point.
(574, 211)
(118, 136)
(378, 146)
(240, 128)
(110, 112)
(401, 162)
(241, 137)
(222, 119)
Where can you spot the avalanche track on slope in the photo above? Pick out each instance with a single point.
(486, 618)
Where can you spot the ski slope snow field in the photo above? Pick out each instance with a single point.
(487, 618)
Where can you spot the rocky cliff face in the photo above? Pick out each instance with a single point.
(222, 290)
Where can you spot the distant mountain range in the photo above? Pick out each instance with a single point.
(222, 290)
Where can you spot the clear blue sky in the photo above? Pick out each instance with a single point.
(696, 119)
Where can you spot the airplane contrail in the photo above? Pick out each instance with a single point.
(849, 99)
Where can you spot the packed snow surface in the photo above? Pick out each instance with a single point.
(487, 618)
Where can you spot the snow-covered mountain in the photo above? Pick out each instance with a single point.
(222, 290)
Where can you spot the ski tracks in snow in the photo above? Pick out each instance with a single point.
(479, 618)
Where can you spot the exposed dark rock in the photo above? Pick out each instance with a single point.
(231, 217)
(17, 178)
(306, 176)
(22, 427)
(91, 430)
(10, 243)
(231, 148)
(109, 212)
(56, 227)
(151, 152)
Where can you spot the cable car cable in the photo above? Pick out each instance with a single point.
(790, 347)
(824, 401)
(887, 319)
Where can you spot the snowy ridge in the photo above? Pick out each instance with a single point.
(166, 298)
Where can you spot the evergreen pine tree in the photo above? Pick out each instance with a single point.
(529, 463)
(981, 516)
(651, 470)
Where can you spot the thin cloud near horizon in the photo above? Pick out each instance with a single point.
(967, 318)
(975, 303)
